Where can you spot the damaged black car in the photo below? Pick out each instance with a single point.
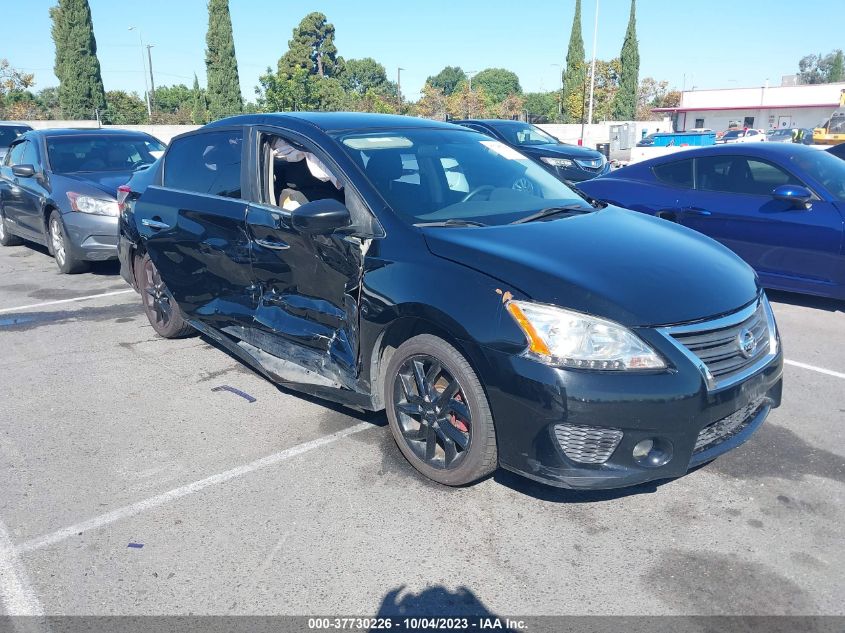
(386, 262)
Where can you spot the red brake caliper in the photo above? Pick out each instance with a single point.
(458, 424)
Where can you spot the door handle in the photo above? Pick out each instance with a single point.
(155, 225)
(273, 245)
(697, 211)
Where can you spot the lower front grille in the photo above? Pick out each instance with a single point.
(728, 427)
(587, 444)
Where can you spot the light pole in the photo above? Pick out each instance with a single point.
(593, 68)
(560, 92)
(144, 72)
(399, 87)
(470, 74)
(152, 82)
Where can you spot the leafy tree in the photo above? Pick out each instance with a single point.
(77, 67)
(575, 75)
(12, 80)
(123, 108)
(363, 75)
(447, 80)
(312, 49)
(465, 103)
(541, 107)
(199, 104)
(433, 103)
(497, 83)
(48, 103)
(820, 69)
(625, 102)
(224, 88)
(510, 107)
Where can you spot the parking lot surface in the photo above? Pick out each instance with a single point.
(129, 486)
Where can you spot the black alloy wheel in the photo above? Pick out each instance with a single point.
(162, 311)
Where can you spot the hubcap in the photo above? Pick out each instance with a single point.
(432, 412)
(58, 241)
(156, 298)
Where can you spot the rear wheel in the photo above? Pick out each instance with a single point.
(6, 238)
(439, 413)
(162, 311)
(60, 247)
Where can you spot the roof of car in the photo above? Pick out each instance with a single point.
(490, 121)
(15, 124)
(758, 150)
(83, 130)
(335, 121)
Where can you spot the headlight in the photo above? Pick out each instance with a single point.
(571, 339)
(93, 206)
(557, 162)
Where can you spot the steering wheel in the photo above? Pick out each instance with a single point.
(477, 191)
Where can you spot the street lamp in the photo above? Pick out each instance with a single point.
(399, 87)
(560, 92)
(152, 81)
(470, 74)
(144, 72)
(593, 68)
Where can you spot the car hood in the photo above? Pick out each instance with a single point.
(617, 264)
(559, 149)
(105, 181)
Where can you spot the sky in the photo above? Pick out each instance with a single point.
(712, 44)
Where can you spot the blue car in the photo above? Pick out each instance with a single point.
(781, 207)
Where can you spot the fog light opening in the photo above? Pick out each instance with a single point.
(653, 452)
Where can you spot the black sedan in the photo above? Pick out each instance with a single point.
(386, 262)
(568, 162)
(9, 132)
(58, 188)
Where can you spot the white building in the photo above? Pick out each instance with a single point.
(764, 108)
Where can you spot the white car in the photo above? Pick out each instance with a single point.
(742, 136)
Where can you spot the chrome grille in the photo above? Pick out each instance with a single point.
(727, 427)
(728, 348)
(587, 444)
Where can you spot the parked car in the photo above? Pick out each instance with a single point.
(741, 136)
(647, 141)
(837, 150)
(497, 323)
(9, 131)
(786, 135)
(569, 162)
(57, 188)
(780, 207)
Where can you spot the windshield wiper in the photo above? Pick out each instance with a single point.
(550, 211)
(452, 222)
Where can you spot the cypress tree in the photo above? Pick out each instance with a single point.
(625, 103)
(224, 88)
(576, 72)
(77, 67)
(199, 111)
(837, 69)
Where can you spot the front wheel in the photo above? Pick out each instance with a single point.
(161, 309)
(60, 247)
(438, 412)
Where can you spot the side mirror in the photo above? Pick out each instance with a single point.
(320, 217)
(797, 196)
(23, 171)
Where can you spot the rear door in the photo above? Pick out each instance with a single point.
(733, 203)
(193, 224)
(22, 196)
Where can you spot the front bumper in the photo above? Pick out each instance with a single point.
(529, 400)
(91, 237)
(578, 174)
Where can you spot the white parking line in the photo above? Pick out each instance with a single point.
(16, 594)
(821, 370)
(53, 303)
(184, 491)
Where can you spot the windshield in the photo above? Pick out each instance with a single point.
(733, 134)
(101, 152)
(826, 169)
(430, 175)
(8, 133)
(524, 134)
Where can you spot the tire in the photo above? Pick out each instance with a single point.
(6, 238)
(161, 309)
(425, 424)
(59, 247)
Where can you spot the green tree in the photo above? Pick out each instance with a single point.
(541, 107)
(312, 49)
(123, 108)
(12, 80)
(836, 72)
(464, 103)
(77, 67)
(625, 102)
(447, 80)
(575, 75)
(199, 104)
(224, 88)
(362, 75)
(433, 104)
(171, 99)
(498, 84)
